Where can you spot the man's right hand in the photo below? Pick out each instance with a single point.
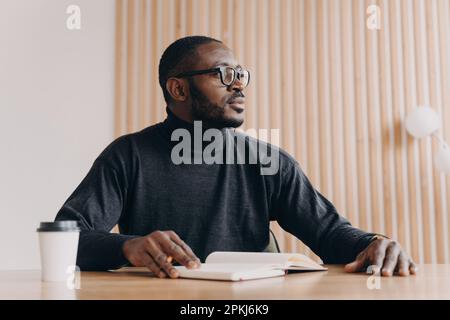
(156, 251)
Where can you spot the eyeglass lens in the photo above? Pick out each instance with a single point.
(228, 75)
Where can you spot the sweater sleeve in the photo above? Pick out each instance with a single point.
(304, 212)
(97, 205)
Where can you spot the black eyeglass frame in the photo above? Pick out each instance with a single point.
(237, 74)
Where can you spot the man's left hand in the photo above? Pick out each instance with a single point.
(386, 257)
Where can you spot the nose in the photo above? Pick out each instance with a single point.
(237, 85)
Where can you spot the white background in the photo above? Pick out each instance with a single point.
(56, 112)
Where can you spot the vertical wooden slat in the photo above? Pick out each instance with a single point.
(313, 167)
(142, 121)
(402, 195)
(155, 61)
(261, 78)
(387, 125)
(131, 65)
(412, 148)
(195, 17)
(203, 8)
(364, 178)
(251, 61)
(424, 144)
(120, 69)
(324, 103)
(225, 26)
(169, 18)
(303, 131)
(286, 63)
(161, 36)
(447, 101)
(435, 100)
(301, 85)
(433, 208)
(348, 88)
(274, 80)
(339, 180)
(180, 18)
(286, 90)
(274, 66)
(189, 17)
(215, 19)
(177, 19)
(376, 162)
(444, 45)
(149, 78)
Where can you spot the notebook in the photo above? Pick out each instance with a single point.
(239, 266)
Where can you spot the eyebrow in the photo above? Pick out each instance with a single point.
(221, 63)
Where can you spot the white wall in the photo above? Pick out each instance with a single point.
(56, 112)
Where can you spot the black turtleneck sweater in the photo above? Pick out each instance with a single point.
(212, 207)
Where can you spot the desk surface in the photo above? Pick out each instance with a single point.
(432, 282)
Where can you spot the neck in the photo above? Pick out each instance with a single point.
(181, 112)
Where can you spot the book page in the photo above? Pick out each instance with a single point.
(281, 260)
(230, 271)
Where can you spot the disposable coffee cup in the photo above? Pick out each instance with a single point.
(58, 243)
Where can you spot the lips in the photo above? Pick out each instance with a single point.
(237, 101)
(237, 104)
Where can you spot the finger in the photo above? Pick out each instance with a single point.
(176, 252)
(160, 257)
(390, 259)
(356, 265)
(150, 264)
(413, 268)
(175, 238)
(403, 265)
(379, 254)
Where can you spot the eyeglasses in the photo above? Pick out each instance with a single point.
(228, 75)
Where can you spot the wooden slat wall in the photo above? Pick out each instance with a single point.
(337, 90)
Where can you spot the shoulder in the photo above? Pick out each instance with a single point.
(119, 146)
(125, 148)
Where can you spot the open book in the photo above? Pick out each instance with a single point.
(237, 266)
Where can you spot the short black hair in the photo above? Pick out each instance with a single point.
(177, 57)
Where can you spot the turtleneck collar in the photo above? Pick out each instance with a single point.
(172, 122)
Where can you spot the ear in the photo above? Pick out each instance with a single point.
(177, 89)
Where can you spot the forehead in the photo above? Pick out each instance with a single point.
(213, 54)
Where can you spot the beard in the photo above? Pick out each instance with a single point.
(211, 114)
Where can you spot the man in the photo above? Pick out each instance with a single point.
(184, 211)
